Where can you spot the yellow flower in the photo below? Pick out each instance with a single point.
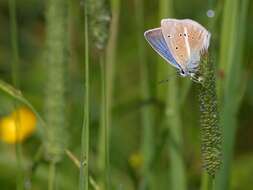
(136, 160)
(17, 126)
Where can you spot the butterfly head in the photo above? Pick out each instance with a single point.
(183, 73)
(193, 75)
(186, 73)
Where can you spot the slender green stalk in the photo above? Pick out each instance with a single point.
(111, 50)
(229, 25)
(147, 115)
(84, 169)
(103, 148)
(94, 184)
(36, 160)
(73, 158)
(51, 176)
(165, 10)
(177, 171)
(99, 20)
(173, 119)
(233, 88)
(77, 163)
(15, 77)
(14, 42)
(207, 182)
(107, 76)
(18, 150)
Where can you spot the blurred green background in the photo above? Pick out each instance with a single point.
(152, 130)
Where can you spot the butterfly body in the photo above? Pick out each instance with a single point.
(180, 43)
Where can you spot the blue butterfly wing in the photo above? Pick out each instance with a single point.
(156, 40)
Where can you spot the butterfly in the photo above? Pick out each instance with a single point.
(180, 43)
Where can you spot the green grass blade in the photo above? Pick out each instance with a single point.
(227, 39)
(232, 84)
(147, 115)
(177, 169)
(107, 75)
(84, 169)
(99, 24)
(110, 57)
(104, 136)
(15, 77)
(207, 182)
(172, 111)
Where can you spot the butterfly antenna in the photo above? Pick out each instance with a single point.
(170, 76)
(163, 81)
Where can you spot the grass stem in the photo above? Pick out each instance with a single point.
(234, 19)
(104, 135)
(147, 115)
(107, 63)
(207, 182)
(51, 176)
(172, 116)
(84, 169)
(15, 77)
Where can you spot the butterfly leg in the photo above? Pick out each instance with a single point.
(197, 79)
